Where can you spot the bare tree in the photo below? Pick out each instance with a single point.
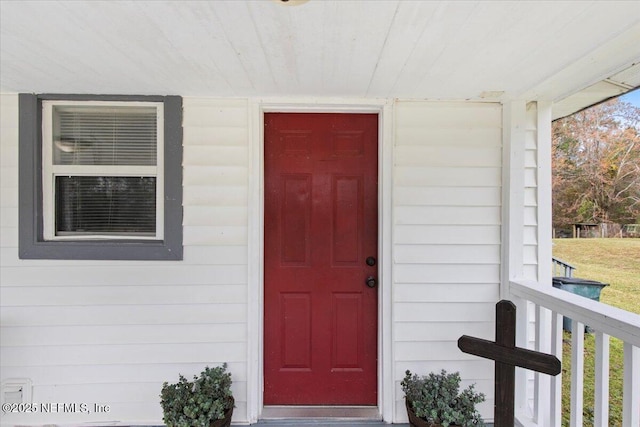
(596, 165)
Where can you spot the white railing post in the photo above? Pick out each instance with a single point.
(542, 383)
(555, 409)
(522, 340)
(601, 404)
(577, 372)
(631, 392)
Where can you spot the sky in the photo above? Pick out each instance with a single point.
(632, 97)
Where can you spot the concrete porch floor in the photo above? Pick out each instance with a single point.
(324, 423)
(329, 423)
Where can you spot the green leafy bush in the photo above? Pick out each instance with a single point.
(437, 399)
(196, 403)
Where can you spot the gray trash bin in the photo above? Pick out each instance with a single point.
(585, 288)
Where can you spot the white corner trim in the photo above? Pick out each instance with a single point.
(544, 187)
(255, 262)
(513, 150)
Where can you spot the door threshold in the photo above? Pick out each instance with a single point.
(347, 413)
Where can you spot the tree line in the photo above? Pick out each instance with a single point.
(596, 165)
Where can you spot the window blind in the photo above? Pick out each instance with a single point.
(105, 205)
(104, 135)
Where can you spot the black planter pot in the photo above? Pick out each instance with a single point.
(415, 421)
(226, 421)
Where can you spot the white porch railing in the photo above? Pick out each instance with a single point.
(551, 304)
(561, 268)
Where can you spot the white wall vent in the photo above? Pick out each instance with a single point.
(16, 390)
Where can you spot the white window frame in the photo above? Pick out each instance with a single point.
(51, 171)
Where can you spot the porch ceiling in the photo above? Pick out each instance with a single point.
(367, 48)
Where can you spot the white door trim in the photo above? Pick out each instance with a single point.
(257, 108)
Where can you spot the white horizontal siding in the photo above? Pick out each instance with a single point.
(446, 273)
(209, 195)
(484, 137)
(447, 234)
(446, 156)
(115, 335)
(80, 295)
(9, 197)
(225, 135)
(441, 116)
(122, 275)
(441, 293)
(71, 325)
(202, 155)
(9, 116)
(111, 332)
(214, 113)
(443, 312)
(215, 235)
(447, 177)
(8, 152)
(447, 222)
(482, 367)
(430, 350)
(8, 172)
(193, 255)
(116, 373)
(214, 176)
(447, 215)
(216, 215)
(451, 254)
(140, 354)
(447, 196)
(172, 314)
(412, 332)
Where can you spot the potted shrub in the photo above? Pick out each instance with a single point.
(436, 400)
(204, 402)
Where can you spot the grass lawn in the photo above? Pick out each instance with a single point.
(612, 261)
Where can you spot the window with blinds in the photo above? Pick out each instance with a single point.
(102, 170)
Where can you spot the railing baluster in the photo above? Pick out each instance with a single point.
(601, 404)
(555, 410)
(577, 372)
(631, 393)
(541, 403)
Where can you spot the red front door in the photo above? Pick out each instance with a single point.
(321, 228)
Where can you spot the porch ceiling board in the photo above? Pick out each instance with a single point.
(389, 49)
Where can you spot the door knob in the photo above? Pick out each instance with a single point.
(371, 282)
